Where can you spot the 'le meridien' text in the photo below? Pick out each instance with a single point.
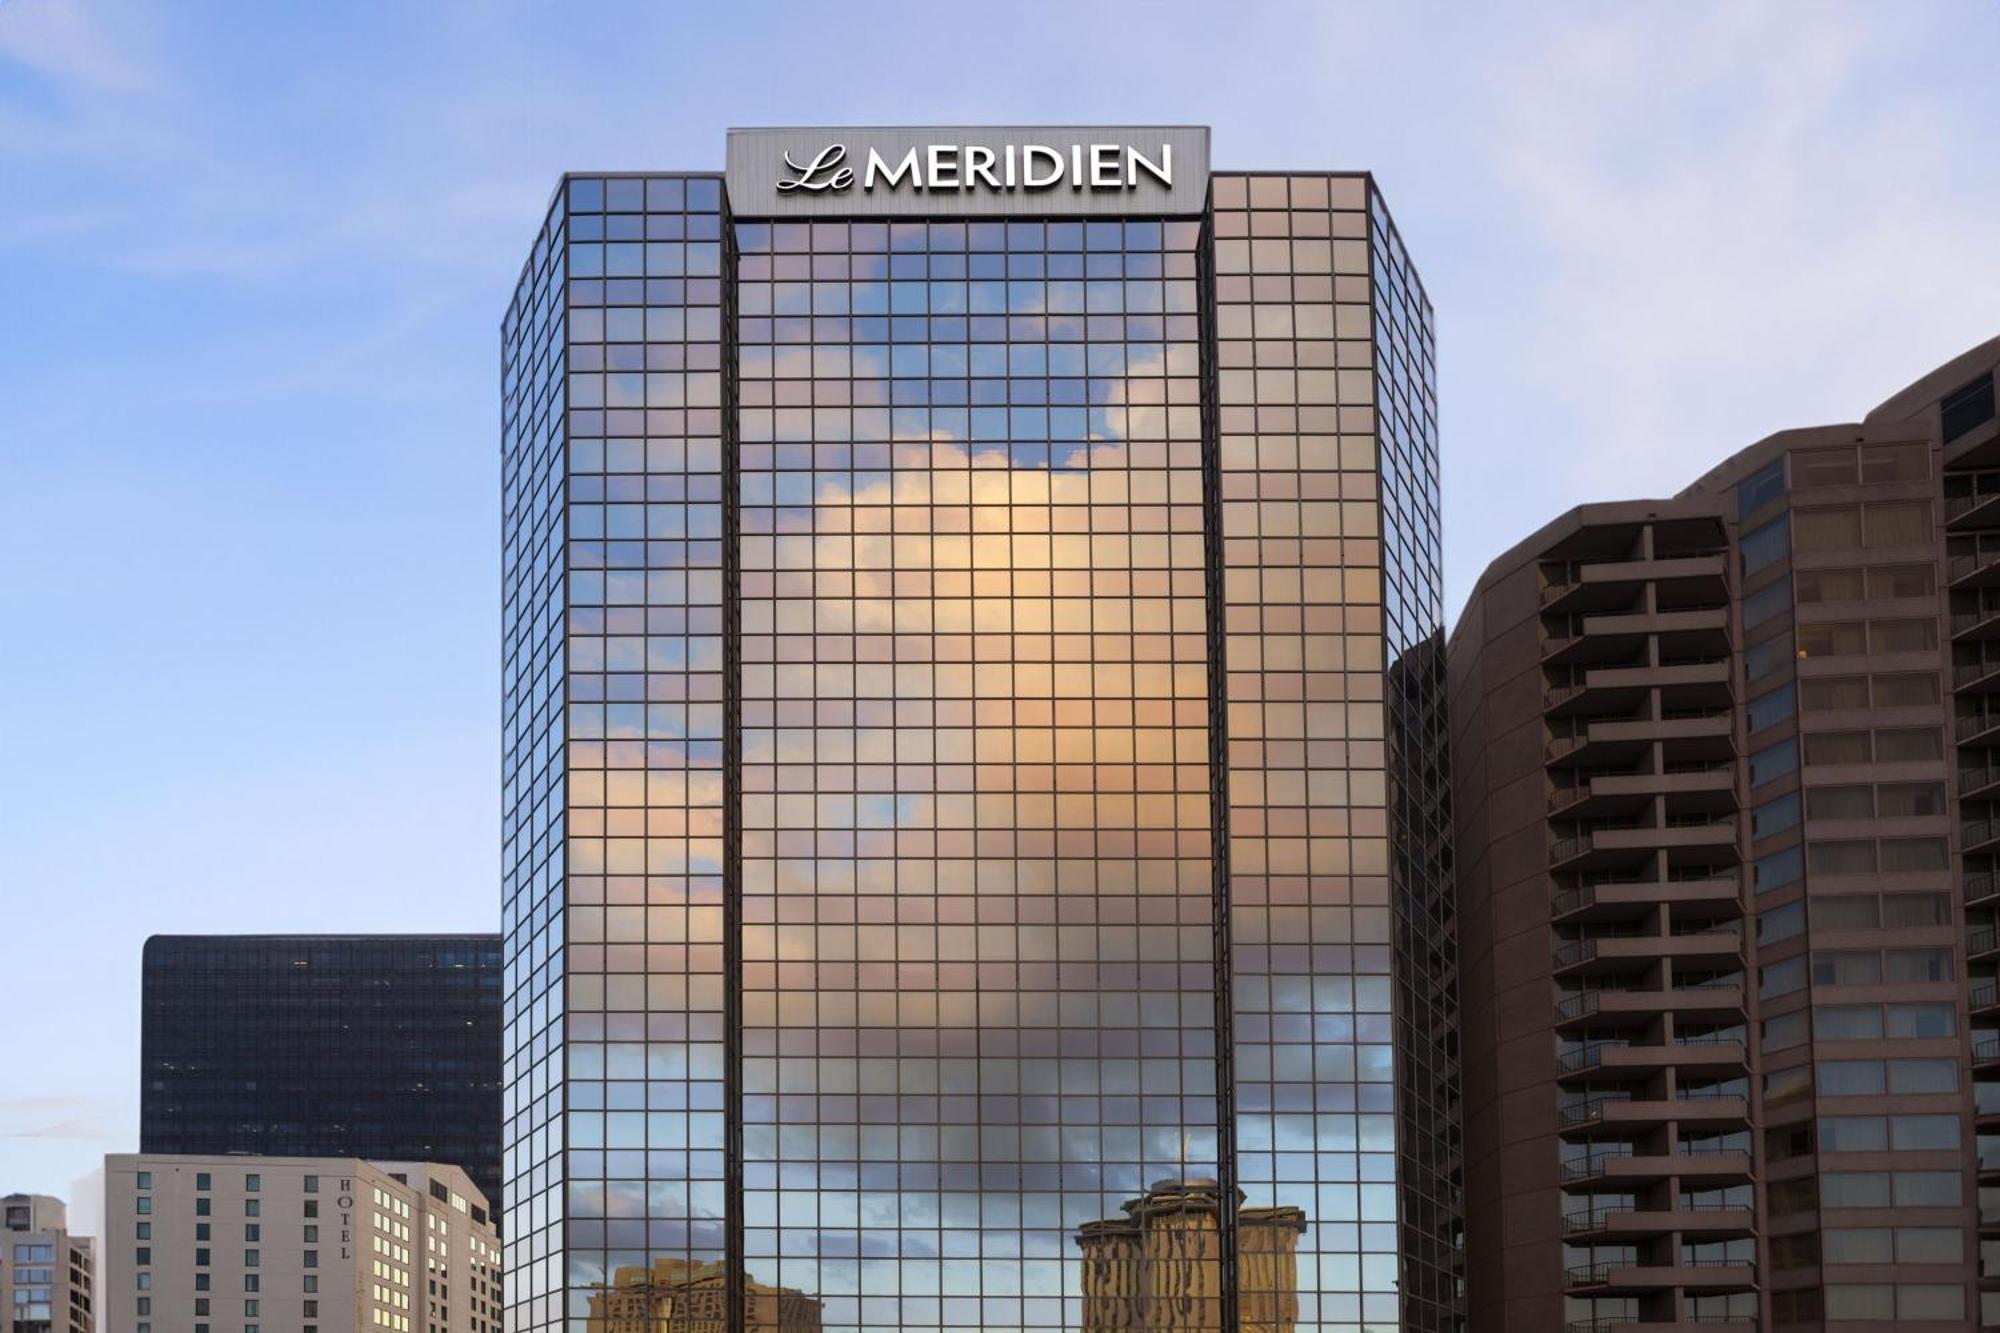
(949, 168)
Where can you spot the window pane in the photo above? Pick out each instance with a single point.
(1770, 709)
(1829, 585)
(1859, 1245)
(1886, 582)
(1852, 1189)
(1848, 1022)
(1923, 1076)
(1827, 529)
(1820, 694)
(1895, 462)
(1902, 636)
(1824, 467)
(1908, 745)
(1910, 799)
(1857, 1133)
(1839, 803)
(1904, 523)
(1841, 858)
(1850, 1078)
(1760, 488)
(1778, 869)
(1922, 1020)
(1772, 762)
(1775, 816)
(1832, 639)
(1846, 912)
(1764, 546)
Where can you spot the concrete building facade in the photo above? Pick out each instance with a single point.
(1725, 781)
(47, 1276)
(239, 1244)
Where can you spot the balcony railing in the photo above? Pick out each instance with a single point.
(1595, 1274)
(1569, 953)
(1980, 939)
(1581, 1168)
(1580, 1005)
(1962, 566)
(1591, 1109)
(1589, 1219)
(1968, 728)
(1589, 1055)
(1699, 1149)
(1562, 798)
(1985, 993)
(1964, 622)
(1957, 506)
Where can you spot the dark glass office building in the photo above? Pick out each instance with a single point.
(976, 830)
(376, 1046)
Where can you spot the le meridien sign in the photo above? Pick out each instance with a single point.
(1100, 171)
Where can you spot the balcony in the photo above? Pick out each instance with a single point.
(1615, 636)
(1978, 677)
(1587, 585)
(1982, 943)
(1977, 625)
(1983, 995)
(1695, 738)
(1975, 569)
(1624, 900)
(1631, 954)
(1601, 794)
(1980, 783)
(1629, 845)
(1608, 1276)
(1981, 729)
(1689, 1219)
(1613, 1111)
(1986, 1054)
(1964, 513)
(1690, 1001)
(1693, 1323)
(1982, 889)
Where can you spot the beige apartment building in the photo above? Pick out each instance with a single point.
(46, 1274)
(238, 1244)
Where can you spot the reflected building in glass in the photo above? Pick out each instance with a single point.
(976, 828)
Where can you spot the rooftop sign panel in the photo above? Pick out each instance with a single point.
(990, 171)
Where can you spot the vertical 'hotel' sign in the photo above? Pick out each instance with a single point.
(1103, 170)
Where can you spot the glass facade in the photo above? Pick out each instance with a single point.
(377, 1046)
(965, 679)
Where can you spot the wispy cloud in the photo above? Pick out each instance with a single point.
(1745, 219)
(70, 1118)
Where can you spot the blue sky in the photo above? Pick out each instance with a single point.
(253, 258)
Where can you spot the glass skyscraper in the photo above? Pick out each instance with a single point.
(975, 809)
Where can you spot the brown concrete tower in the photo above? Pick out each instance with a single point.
(1726, 917)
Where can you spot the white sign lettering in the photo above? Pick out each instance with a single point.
(969, 171)
(946, 168)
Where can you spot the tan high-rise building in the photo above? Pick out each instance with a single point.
(46, 1274)
(1727, 792)
(240, 1244)
(1159, 1267)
